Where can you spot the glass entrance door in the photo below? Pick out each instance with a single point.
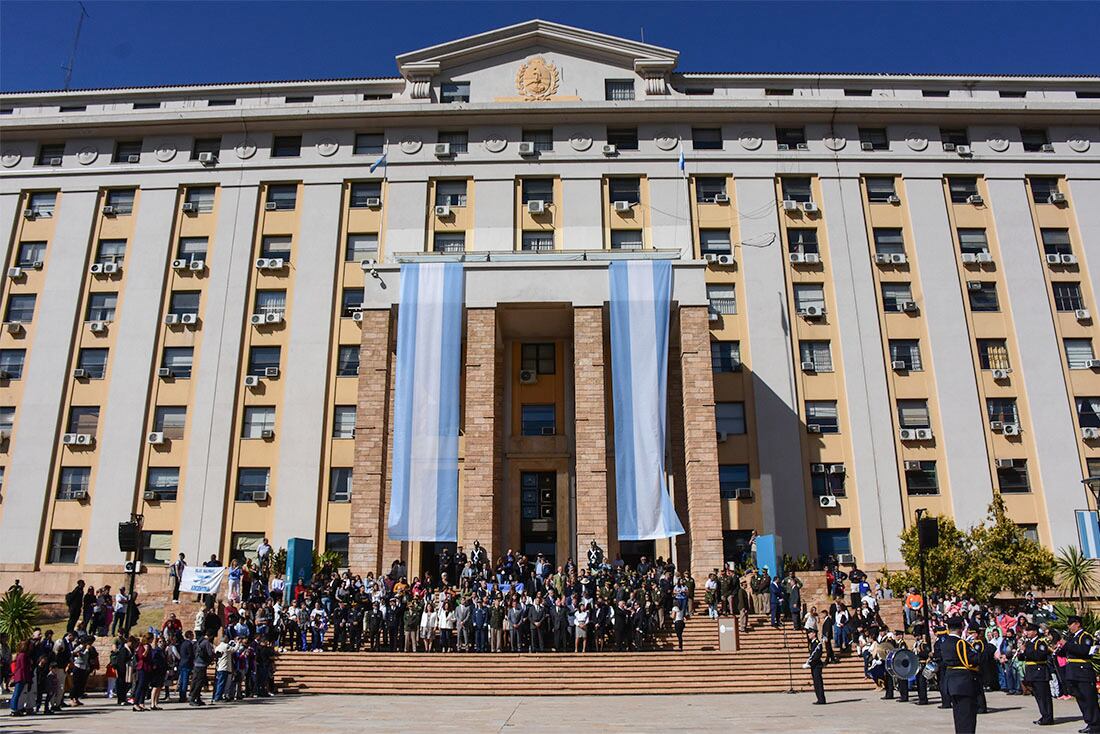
(538, 518)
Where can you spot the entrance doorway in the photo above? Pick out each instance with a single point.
(430, 560)
(632, 551)
(538, 518)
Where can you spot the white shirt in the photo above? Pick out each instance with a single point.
(580, 618)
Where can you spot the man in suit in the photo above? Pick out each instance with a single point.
(775, 598)
(537, 622)
(479, 618)
(463, 624)
(1078, 647)
(1035, 654)
(816, 664)
(560, 623)
(960, 667)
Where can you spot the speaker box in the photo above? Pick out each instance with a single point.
(128, 537)
(928, 533)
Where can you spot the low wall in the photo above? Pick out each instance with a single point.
(52, 586)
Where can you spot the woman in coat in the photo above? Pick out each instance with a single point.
(21, 676)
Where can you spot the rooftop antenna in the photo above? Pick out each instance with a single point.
(76, 39)
(643, 34)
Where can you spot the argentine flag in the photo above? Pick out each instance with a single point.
(682, 163)
(380, 162)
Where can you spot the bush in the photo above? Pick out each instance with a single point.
(18, 615)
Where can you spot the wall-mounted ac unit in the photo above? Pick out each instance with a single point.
(1001, 374)
(899, 365)
(975, 200)
(1006, 463)
(271, 372)
(527, 148)
(267, 434)
(443, 210)
(156, 438)
(260, 496)
(15, 273)
(528, 377)
(442, 150)
(810, 207)
(181, 264)
(189, 319)
(207, 158)
(907, 434)
(189, 207)
(1082, 314)
(742, 493)
(172, 319)
(197, 265)
(610, 149)
(827, 501)
(536, 207)
(251, 380)
(721, 199)
(846, 559)
(1056, 197)
(623, 206)
(789, 205)
(924, 434)
(97, 327)
(1011, 429)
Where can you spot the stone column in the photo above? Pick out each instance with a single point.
(704, 511)
(373, 443)
(590, 430)
(481, 466)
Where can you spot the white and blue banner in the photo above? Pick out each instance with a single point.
(1088, 532)
(202, 579)
(424, 500)
(641, 293)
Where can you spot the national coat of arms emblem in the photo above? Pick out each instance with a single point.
(537, 79)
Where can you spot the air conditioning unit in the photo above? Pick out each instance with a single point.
(985, 258)
(443, 210)
(68, 439)
(813, 428)
(78, 494)
(1090, 434)
(96, 269)
(908, 306)
(181, 264)
(1092, 364)
(164, 372)
(1001, 374)
(1069, 259)
(55, 161)
(270, 263)
(260, 496)
(1046, 148)
(907, 434)
(801, 146)
(882, 258)
(156, 438)
(812, 312)
(898, 365)
(1054, 259)
(898, 258)
(782, 146)
(973, 285)
(189, 319)
(1005, 463)
(924, 434)
(267, 434)
(622, 206)
(846, 559)
(893, 199)
(912, 466)
(133, 159)
(442, 150)
(357, 316)
(251, 380)
(866, 146)
(84, 439)
(108, 211)
(710, 257)
(172, 319)
(713, 316)
(273, 318)
(610, 149)
(1056, 197)
(270, 206)
(527, 148)
(1011, 429)
(197, 266)
(996, 426)
(374, 202)
(809, 207)
(969, 258)
(725, 259)
(818, 468)
(796, 257)
(808, 367)
(962, 150)
(111, 268)
(742, 493)
(271, 372)
(14, 327)
(547, 431)
(188, 207)
(536, 207)
(79, 373)
(97, 327)
(207, 158)
(790, 205)
(827, 501)
(132, 567)
(528, 377)
(149, 495)
(257, 319)
(837, 469)
(721, 199)
(28, 214)
(722, 436)
(1082, 314)
(975, 199)
(15, 273)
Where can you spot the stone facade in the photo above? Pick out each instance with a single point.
(591, 429)
(481, 467)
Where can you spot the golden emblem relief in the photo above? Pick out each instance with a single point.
(537, 79)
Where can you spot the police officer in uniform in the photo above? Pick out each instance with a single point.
(903, 683)
(984, 650)
(1035, 654)
(816, 663)
(937, 657)
(1078, 647)
(921, 648)
(595, 555)
(960, 672)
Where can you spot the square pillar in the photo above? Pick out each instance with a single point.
(481, 465)
(590, 431)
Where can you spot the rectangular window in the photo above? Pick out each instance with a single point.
(270, 301)
(245, 546)
(1042, 188)
(257, 419)
(722, 298)
(93, 362)
(833, 543)
(171, 421)
(339, 484)
(709, 187)
(362, 192)
(1056, 241)
(725, 356)
(542, 139)
(11, 363)
(809, 295)
(110, 251)
(895, 296)
(732, 477)
(369, 144)
(50, 154)
(261, 359)
(164, 482)
(42, 203)
(823, 414)
(857, 92)
(450, 92)
(982, 295)
(954, 136)
(127, 151)
(826, 483)
(624, 189)
(122, 201)
(914, 414)
(343, 421)
(178, 362)
(973, 241)
(101, 306)
(880, 189)
(20, 308)
(537, 189)
(450, 193)
(921, 478)
(730, 418)
(222, 102)
(993, 354)
(706, 138)
(778, 92)
(889, 241)
(351, 302)
(276, 246)
(347, 361)
(618, 90)
(64, 546)
(192, 248)
(1002, 410)
(626, 239)
(817, 353)
(1088, 412)
(31, 254)
(1078, 353)
(73, 482)
(286, 146)
(537, 420)
(7, 418)
(803, 240)
(797, 189)
(361, 247)
(282, 197)
(539, 358)
(906, 351)
(206, 145)
(935, 93)
(791, 137)
(337, 543)
(962, 188)
(873, 138)
(449, 242)
(1067, 296)
(184, 302)
(623, 138)
(459, 140)
(537, 241)
(156, 547)
(299, 99)
(1034, 140)
(715, 242)
(201, 198)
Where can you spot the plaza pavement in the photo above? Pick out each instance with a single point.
(847, 713)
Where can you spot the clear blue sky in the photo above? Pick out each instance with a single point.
(138, 43)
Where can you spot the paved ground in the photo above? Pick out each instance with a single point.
(847, 713)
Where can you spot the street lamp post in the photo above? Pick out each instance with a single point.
(1092, 484)
(923, 583)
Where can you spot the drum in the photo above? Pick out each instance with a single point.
(903, 664)
(929, 670)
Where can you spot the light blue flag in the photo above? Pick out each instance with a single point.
(640, 304)
(682, 163)
(1088, 532)
(382, 161)
(424, 498)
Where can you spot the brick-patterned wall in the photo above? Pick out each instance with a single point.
(372, 445)
(590, 429)
(480, 468)
(676, 468)
(700, 448)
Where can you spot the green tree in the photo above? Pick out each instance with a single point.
(18, 614)
(944, 565)
(1076, 573)
(1004, 558)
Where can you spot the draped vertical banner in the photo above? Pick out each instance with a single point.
(424, 498)
(640, 303)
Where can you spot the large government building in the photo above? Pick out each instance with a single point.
(883, 300)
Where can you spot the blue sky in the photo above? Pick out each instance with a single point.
(136, 43)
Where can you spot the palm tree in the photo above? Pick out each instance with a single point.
(18, 614)
(1075, 574)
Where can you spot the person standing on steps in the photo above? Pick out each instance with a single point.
(816, 663)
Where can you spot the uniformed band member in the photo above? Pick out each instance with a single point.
(1035, 654)
(984, 650)
(937, 657)
(903, 683)
(1078, 647)
(815, 663)
(960, 671)
(924, 652)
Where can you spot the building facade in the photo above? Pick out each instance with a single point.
(884, 297)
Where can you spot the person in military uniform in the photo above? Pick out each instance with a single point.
(902, 683)
(924, 653)
(816, 663)
(1078, 647)
(960, 671)
(941, 675)
(1035, 654)
(985, 658)
(595, 555)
